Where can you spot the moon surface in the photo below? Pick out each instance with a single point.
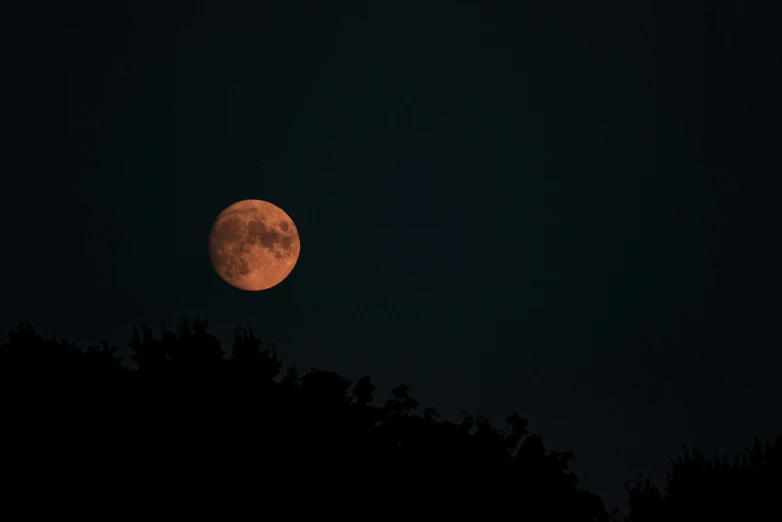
(253, 245)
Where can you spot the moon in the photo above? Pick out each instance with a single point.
(253, 245)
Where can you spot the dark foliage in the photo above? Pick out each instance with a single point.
(190, 421)
(747, 486)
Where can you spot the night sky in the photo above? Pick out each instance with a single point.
(567, 209)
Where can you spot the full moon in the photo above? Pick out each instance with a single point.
(253, 245)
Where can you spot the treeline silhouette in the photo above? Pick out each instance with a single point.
(189, 414)
(746, 486)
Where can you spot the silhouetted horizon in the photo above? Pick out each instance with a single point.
(185, 382)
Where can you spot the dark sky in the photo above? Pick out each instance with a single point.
(568, 209)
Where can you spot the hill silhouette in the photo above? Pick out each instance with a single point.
(189, 416)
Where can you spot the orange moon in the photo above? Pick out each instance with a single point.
(253, 245)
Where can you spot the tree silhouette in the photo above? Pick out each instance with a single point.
(743, 487)
(363, 392)
(186, 414)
